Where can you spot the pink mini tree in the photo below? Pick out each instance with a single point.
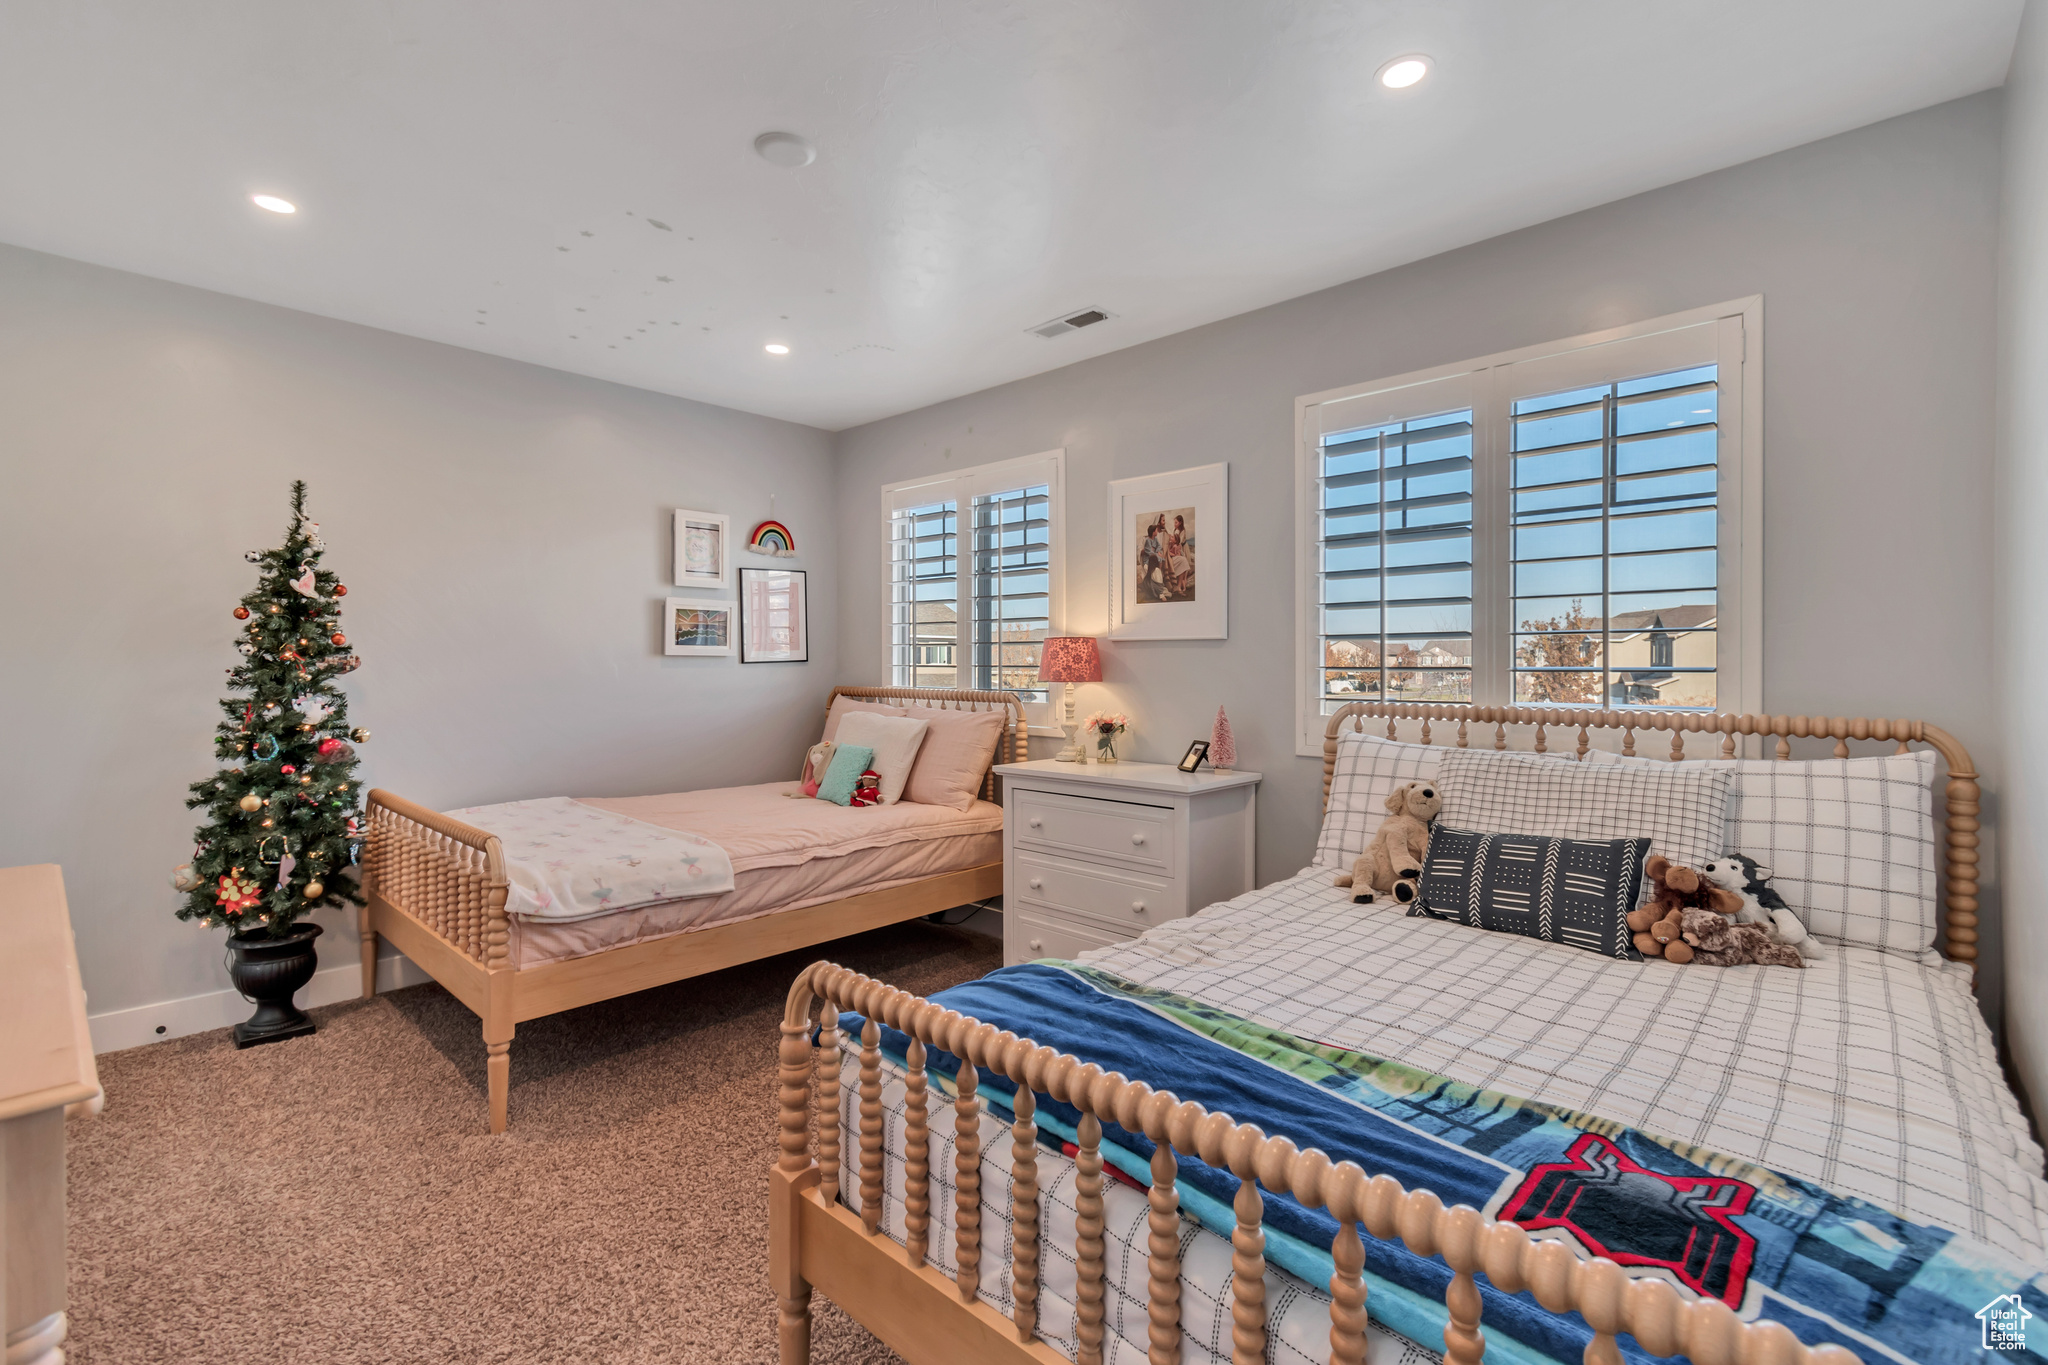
(1222, 748)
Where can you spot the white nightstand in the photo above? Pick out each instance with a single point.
(1096, 854)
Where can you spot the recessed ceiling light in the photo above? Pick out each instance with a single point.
(273, 203)
(786, 150)
(776, 348)
(1403, 72)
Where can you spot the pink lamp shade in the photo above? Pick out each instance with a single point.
(1069, 659)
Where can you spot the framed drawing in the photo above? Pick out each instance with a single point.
(774, 617)
(696, 625)
(703, 549)
(1192, 759)
(1169, 571)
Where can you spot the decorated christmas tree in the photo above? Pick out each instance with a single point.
(283, 814)
(1222, 747)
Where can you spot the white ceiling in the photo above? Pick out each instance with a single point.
(574, 184)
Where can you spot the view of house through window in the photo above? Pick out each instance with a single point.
(1614, 515)
(986, 545)
(1397, 561)
(1562, 525)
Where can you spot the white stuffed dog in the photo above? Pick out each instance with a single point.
(1392, 862)
(1761, 904)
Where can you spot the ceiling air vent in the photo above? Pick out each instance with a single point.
(1059, 326)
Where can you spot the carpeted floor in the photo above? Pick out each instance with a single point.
(335, 1198)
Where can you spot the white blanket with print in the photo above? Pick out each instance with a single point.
(566, 860)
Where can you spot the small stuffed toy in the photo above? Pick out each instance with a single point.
(817, 758)
(1761, 904)
(867, 790)
(1718, 941)
(1658, 925)
(1392, 862)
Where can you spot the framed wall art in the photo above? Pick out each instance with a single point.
(703, 549)
(696, 626)
(1169, 571)
(774, 617)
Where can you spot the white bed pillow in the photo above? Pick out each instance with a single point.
(1850, 841)
(1682, 808)
(1367, 768)
(895, 740)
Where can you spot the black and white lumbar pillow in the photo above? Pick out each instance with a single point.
(1576, 892)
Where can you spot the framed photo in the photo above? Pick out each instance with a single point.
(1170, 555)
(703, 549)
(1192, 759)
(774, 617)
(696, 625)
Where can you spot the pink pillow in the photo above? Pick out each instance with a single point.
(954, 757)
(842, 705)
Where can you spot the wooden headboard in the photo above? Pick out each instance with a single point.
(961, 699)
(1959, 833)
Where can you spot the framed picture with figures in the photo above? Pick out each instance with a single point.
(1169, 566)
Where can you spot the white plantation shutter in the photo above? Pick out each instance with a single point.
(1570, 525)
(986, 541)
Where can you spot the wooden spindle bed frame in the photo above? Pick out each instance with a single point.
(816, 1243)
(436, 887)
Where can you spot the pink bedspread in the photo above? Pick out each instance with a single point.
(785, 855)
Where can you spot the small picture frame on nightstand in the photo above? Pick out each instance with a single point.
(1192, 759)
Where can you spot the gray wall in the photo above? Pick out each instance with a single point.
(1874, 253)
(2022, 551)
(503, 530)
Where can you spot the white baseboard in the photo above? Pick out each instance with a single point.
(117, 1029)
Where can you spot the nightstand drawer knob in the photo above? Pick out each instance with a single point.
(1036, 823)
(1137, 907)
(1137, 838)
(1036, 945)
(1037, 883)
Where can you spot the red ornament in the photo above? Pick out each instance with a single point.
(339, 638)
(329, 745)
(237, 894)
(341, 589)
(241, 613)
(287, 768)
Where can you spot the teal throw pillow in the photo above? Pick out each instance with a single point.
(849, 761)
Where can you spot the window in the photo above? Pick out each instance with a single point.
(1569, 525)
(988, 538)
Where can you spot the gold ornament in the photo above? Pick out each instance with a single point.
(314, 891)
(252, 803)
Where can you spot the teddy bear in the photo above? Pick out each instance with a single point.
(1658, 924)
(1392, 862)
(1718, 941)
(1761, 904)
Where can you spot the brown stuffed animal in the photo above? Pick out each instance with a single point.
(1392, 862)
(1658, 926)
(1718, 941)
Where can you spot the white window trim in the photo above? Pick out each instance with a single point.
(961, 485)
(1741, 536)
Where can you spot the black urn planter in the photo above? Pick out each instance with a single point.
(270, 971)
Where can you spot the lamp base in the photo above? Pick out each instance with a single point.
(1073, 753)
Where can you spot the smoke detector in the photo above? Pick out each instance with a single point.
(1070, 322)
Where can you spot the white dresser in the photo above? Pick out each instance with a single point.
(1096, 854)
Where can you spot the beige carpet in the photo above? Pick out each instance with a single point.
(335, 1199)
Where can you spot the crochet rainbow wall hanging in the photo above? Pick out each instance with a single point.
(772, 538)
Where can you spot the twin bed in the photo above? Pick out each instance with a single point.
(1236, 1138)
(801, 872)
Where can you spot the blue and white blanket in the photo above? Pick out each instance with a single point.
(1831, 1267)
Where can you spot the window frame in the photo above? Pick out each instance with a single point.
(1485, 382)
(961, 487)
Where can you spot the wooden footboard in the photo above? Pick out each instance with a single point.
(436, 888)
(930, 1320)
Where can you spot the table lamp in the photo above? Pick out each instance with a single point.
(1070, 659)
